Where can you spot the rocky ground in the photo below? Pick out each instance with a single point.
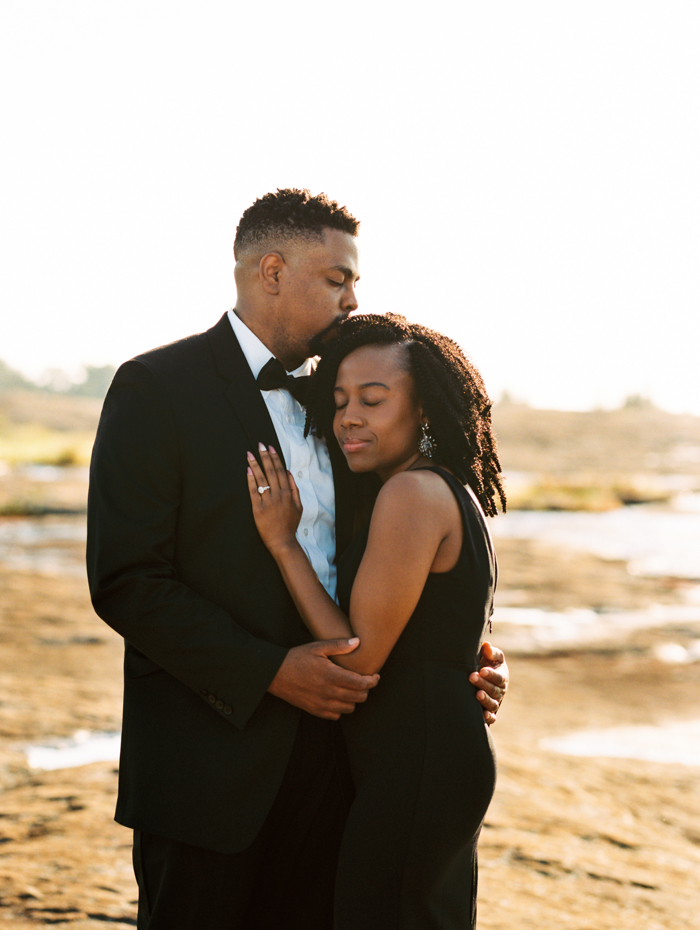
(570, 842)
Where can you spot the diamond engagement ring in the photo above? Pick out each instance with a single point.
(261, 489)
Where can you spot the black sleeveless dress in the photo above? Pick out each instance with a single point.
(420, 753)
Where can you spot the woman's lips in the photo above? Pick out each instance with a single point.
(354, 445)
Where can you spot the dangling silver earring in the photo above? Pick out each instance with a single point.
(427, 445)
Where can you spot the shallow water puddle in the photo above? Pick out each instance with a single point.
(81, 749)
(531, 629)
(655, 540)
(675, 743)
(53, 545)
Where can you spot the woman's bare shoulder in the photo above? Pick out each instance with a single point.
(424, 493)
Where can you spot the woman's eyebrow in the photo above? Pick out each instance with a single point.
(365, 385)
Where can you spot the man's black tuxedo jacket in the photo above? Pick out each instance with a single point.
(176, 566)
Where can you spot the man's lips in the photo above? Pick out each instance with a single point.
(354, 445)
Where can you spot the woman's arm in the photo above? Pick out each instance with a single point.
(409, 522)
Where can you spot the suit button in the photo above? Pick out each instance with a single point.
(212, 699)
(219, 705)
(227, 709)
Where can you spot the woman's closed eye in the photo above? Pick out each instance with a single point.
(366, 402)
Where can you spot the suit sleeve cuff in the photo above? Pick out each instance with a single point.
(252, 684)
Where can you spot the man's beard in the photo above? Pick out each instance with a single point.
(324, 337)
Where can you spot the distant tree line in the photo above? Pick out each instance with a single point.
(95, 383)
(99, 377)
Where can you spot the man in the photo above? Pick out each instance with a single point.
(229, 771)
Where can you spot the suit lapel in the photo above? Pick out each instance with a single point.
(242, 391)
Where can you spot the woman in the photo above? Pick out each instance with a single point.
(416, 587)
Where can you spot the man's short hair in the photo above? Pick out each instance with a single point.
(291, 214)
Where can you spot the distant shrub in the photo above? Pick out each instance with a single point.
(638, 402)
(10, 379)
(591, 495)
(56, 381)
(96, 383)
(21, 507)
(27, 443)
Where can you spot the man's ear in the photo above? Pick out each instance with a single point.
(269, 270)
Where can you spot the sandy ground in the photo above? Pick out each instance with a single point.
(572, 842)
(569, 842)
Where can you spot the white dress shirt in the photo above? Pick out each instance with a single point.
(306, 457)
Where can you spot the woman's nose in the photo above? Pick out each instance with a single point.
(351, 416)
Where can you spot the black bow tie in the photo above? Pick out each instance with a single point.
(273, 376)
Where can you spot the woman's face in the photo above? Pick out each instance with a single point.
(378, 417)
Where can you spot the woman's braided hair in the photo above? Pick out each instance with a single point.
(449, 387)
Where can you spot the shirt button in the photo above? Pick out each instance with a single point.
(306, 532)
(300, 474)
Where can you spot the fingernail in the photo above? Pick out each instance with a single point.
(251, 457)
(272, 450)
(250, 471)
(262, 447)
(354, 641)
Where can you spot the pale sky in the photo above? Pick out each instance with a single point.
(526, 174)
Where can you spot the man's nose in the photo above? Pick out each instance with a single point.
(350, 302)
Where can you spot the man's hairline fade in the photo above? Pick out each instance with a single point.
(278, 240)
(290, 214)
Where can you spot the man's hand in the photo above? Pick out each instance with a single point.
(491, 680)
(309, 679)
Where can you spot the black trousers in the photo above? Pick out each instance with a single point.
(283, 881)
